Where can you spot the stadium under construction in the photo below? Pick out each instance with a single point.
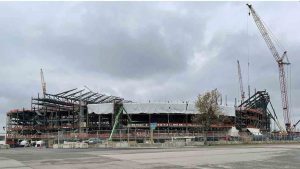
(85, 114)
(80, 114)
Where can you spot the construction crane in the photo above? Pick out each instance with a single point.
(281, 61)
(43, 83)
(294, 126)
(241, 82)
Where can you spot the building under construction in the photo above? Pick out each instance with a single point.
(51, 113)
(80, 114)
(253, 113)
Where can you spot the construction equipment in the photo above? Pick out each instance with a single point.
(275, 119)
(241, 82)
(43, 83)
(116, 123)
(281, 61)
(294, 126)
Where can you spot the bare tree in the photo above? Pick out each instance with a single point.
(208, 111)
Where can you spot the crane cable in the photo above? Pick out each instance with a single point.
(289, 87)
(248, 57)
(273, 37)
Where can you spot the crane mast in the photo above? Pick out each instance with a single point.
(241, 82)
(43, 83)
(280, 61)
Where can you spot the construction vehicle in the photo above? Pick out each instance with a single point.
(282, 61)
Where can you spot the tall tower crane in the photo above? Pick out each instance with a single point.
(43, 83)
(281, 61)
(241, 82)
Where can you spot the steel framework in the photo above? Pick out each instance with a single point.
(253, 112)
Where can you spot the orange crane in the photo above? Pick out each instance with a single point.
(241, 82)
(281, 61)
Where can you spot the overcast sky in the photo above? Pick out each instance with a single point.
(143, 50)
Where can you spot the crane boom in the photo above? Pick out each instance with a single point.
(241, 81)
(280, 61)
(43, 83)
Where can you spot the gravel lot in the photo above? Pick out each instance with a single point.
(258, 156)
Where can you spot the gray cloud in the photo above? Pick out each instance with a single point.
(116, 39)
(141, 50)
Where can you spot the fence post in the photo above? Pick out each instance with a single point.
(135, 135)
(213, 137)
(128, 136)
(58, 138)
(97, 135)
(151, 136)
(120, 136)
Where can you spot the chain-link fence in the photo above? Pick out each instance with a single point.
(156, 138)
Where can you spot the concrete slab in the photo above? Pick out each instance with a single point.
(10, 163)
(248, 157)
